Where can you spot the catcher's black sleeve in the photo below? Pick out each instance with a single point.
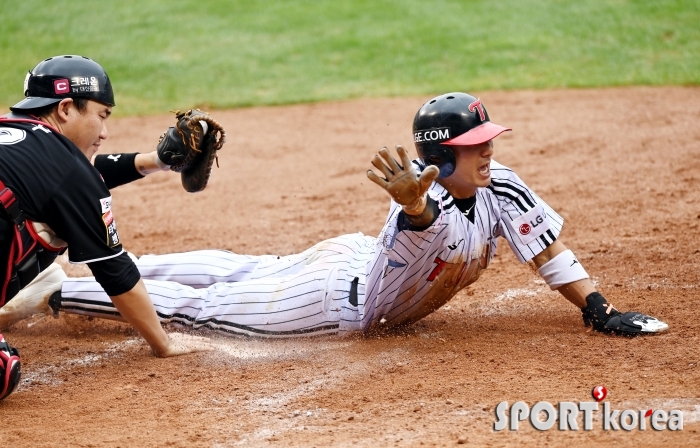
(117, 169)
(116, 275)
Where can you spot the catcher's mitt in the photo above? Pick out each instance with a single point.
(191, 146)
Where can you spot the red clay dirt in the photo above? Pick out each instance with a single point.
(620, 165)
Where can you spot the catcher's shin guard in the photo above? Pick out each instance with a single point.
(605, 318)
(10, 368)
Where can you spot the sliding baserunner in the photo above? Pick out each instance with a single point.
(448, 209)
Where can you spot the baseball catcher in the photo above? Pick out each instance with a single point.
(55, 193)
(190, 147)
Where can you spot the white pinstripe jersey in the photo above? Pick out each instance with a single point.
(413, 273)
(402, 276)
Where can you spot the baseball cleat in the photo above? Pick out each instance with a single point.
(34, 298)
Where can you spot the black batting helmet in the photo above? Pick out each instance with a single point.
(452, 119)
(67, 76)
(10, 368)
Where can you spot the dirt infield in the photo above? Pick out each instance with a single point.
(622, 166)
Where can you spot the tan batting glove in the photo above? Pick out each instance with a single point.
(402, 182)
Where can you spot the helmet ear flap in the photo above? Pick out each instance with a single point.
(10, 368)
(446, 170)
(439, 155)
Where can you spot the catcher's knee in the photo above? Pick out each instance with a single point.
(10, 368)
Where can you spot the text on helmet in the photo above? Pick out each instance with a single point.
(430, 135)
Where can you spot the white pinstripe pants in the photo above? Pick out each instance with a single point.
(265, 296)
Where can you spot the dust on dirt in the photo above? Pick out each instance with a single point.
(620, 165)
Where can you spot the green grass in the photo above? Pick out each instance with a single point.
(163, 55)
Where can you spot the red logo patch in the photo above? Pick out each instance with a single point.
(476, 106)
(440, 265)
(524, 229)
(108, 218)
(61, 86)
(599, 393)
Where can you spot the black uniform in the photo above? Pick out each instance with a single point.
(56, 184)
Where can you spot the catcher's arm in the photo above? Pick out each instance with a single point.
(120, 174)
(149, 163)
(136, 308)
(404, 185)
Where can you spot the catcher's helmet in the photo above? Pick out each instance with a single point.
(10, 367)
(68, 76)
(452, 119)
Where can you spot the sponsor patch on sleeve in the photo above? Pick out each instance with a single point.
(111, 225)
(106, 204)
(531, 225)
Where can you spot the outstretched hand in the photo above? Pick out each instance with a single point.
(182, 344)
(402, 181)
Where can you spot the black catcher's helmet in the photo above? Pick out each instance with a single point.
(68, 76)
(10, 368)
(452, 119)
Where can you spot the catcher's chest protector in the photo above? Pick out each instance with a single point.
(28, 254)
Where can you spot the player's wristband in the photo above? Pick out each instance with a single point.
(562, 270)
(421, 222)
(117, 169)
(419, 204)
